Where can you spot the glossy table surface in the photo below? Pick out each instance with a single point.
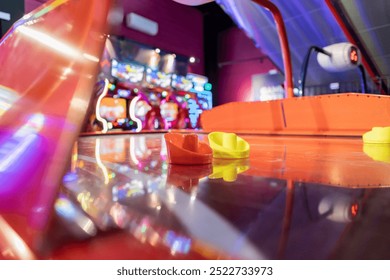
(293, 198)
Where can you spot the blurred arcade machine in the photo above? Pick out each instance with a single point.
(148, 89)
(157, 85)
(202, 90)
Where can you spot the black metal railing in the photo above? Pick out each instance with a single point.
(377, 86)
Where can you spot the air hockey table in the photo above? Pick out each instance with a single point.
(293, 198)
(69, 196)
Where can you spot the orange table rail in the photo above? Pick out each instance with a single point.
(265, 117)
(349, 114)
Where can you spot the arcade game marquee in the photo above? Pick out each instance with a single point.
(299, 182)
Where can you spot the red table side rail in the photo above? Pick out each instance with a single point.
(349, 114)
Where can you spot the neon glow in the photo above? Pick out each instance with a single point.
(91, 57)
(100, 163)
(194, 194)
(132, 113)
(133, 157)
(354, 209)
(20, 141)
(7, 98)
(74, 157)
(79, 104)
(34, 123)
(67, 210)
(353, 55)
(154, 60)
(98, 116)
(17, 152)
(66, 72)
(49, 41)
(169, 63)
(208, 86)
(199, 88)
(15, 245)
(194, 112)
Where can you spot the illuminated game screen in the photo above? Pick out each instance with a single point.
(157, 78)
(181, 83)
(169, 111)
(198, 81)
(267, 86)
(129, 72)
(113, 109)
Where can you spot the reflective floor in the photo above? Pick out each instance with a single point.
(294, 198)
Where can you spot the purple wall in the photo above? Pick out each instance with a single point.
(180, 27)
(30, 5)
(239, 60)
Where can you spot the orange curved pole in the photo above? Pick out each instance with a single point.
(371, 71)
(287, 219)
(289, 86)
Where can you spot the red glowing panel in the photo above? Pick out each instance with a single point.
(353, 55)
(354, 209)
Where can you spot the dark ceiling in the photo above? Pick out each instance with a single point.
(215, 21)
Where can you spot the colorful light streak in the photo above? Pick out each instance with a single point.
(7, 98)
(132, 113)
(97, 109)
(17, 152)
(14, 247)
(100, 163)
(133, 157)
(49, 41)
(14, 148)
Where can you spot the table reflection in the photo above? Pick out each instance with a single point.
(227, 208)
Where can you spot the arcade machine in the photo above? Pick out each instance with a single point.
(182, 86)
(115, 103)
(114, 110)
(139, 108)
(170, 110)
(129, 76)
(204, 100)
(124, 65)
(157, 84)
